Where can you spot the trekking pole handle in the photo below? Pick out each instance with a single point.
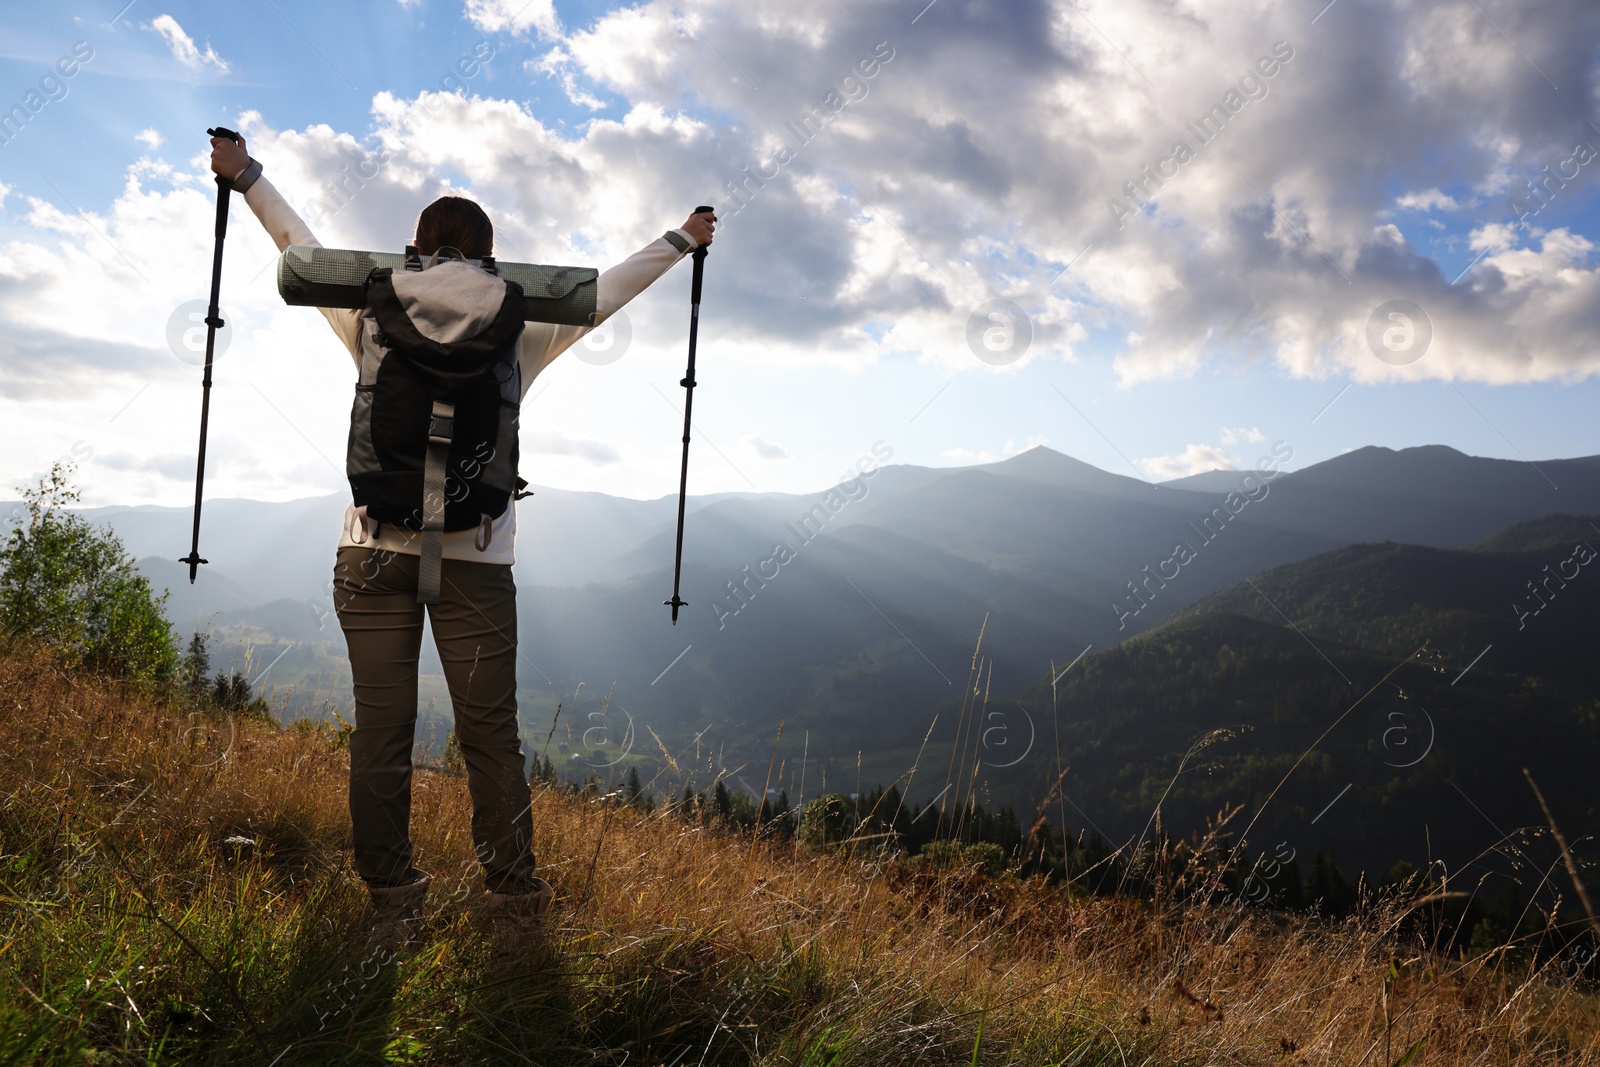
(699, 255)
(224, 187)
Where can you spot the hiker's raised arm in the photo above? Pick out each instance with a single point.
(621, 283)
(233, 162)
(542, 343)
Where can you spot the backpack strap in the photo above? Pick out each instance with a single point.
(440, 431)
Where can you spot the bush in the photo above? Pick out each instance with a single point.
(74, 588)
(986, 857)
(827, 820)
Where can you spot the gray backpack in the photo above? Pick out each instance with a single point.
(433, 430)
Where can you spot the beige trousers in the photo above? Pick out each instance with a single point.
(475, 629)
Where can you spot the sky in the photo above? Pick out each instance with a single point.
(1157, 236)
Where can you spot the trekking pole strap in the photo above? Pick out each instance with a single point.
(441, 429)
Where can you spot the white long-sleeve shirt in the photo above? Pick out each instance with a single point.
(540, 344)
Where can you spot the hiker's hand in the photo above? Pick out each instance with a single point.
(227, 158)
(699, 227)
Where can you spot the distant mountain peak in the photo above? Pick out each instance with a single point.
(1431, 471)
(1044, 464)
(1413, 452)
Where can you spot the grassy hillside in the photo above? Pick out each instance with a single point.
(176, 889)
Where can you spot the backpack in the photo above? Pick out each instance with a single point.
(433, 429)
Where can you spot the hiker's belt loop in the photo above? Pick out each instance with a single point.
(441, 428)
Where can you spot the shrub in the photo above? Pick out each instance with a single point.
(74, 588)
(986, 857)
(827, 820)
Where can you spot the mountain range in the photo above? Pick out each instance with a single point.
(851, 615)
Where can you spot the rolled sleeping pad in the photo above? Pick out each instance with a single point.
(309, 276)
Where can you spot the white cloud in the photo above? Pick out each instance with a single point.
(5, 191)
(557, 63)
(516, 16)
(553, 443)
(762, 448)
(1196, 459)
(1233, 437)
(1498, 235)
(183, 46)
(176, 466)
(150, 138)
(1427, 200)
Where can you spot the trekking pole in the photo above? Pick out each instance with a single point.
(213, 324)
(699, 255)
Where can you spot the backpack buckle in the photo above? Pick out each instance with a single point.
(442, 424)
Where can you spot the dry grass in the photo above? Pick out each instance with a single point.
(135, 932)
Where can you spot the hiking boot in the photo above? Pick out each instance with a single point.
(520, 908)
(394, 914)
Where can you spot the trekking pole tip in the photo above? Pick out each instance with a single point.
(193, 560)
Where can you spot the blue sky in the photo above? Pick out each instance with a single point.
(984, 160)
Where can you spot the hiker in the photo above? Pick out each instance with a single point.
(381, 569)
